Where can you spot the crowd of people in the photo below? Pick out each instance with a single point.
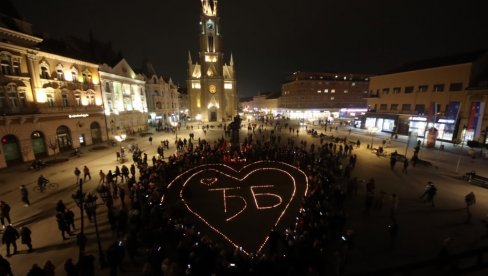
(167, 241)
(316, 244)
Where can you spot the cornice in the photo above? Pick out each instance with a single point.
(20, 35)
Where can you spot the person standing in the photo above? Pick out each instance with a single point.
(9, 238)
(25, 237)
(62, 226)
(4, 213)
(77, 173)
(24, 195)
(60, 207)
(102, 177)
(405, 166)
(86, 173)
(470, 199)
(393, 161)
(69, 217)
(150, 140)
(431, 192)
(122, 195)
(5, 268)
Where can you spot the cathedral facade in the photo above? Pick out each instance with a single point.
(211, 82)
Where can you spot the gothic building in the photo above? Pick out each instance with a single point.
(211, 82)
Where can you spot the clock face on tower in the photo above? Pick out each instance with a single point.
(212, 89)
(210, 25)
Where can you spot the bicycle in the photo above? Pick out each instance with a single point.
(48, 186)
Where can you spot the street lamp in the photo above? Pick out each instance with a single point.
(79, 197)
(91, 206)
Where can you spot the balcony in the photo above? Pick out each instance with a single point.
(70, 85)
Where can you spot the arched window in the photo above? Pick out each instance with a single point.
(87, 77)
(90, 97)
(78, 98)
(65, 97)
(59, 72)
(50, 98)
(44, 68)
(74, 74)
(158, 105)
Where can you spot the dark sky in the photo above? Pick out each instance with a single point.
(273, 38)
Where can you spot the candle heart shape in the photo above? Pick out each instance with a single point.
(243, 206)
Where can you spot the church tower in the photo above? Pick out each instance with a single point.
(211, 82)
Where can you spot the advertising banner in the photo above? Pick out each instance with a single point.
(453, 110)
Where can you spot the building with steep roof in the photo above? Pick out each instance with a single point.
(124, 97)
(211, 82)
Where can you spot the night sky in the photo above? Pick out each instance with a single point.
(272, 38)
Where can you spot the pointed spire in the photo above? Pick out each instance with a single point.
(189, 57)
(208, 8)
(231, 59)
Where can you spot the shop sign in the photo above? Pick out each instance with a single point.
(71, 116)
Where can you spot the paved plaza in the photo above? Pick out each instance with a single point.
(422, 228)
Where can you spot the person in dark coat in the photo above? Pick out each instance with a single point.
(25, 237)
(69, 217)
(122, 196)
(70, 268)
(5, 268)
(62, 226)
(4, 213)
(60, 207)
(9, 238)
(24, 195)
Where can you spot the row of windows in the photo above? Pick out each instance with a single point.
(419, 108)
(159, 105)
(453, 87)
(10, 67)
(60, 75)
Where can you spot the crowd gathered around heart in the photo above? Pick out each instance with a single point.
(164, 240)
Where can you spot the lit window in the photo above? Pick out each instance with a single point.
(44, 72)
(227, 85)
(78, 99)
(319, 91)
(60, 74)
(65, 100)
(326, 90)
(353, 84)
(16, 68)
(345, 91)
(331, 98)
(438, 87)
(332, 91)
(50, 99)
